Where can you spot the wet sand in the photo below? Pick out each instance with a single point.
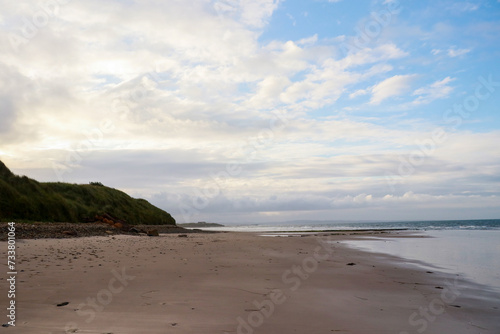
(234, 283)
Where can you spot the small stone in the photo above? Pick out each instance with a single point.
(351, 264)
(62, 304)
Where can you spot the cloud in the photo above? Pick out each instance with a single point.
(452, 52)
(359, 92)
(368, 55)
(437, 90)
(256, 13)
(308, 40)
(393, 86)
(7, 113)
(464, 6)
(15, 92)
(137, 96)
(251, 13)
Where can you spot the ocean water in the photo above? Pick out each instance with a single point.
(472, 253)
(298, 226)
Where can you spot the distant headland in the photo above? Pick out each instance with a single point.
(200, 224)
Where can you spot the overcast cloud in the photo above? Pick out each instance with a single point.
(231, 111)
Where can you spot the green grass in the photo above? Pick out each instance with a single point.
(25, 199)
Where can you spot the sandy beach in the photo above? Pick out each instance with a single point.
(234, 283)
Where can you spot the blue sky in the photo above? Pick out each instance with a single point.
(259, 111)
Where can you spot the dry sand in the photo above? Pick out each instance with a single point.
(234, 283)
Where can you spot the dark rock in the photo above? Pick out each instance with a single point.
(153, 233)
(62, 304)
(126, 228)
(351, 264)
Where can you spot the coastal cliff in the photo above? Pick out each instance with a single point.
(25, 199)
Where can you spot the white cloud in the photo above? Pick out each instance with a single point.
(367, 55)
(359, 92)
(252, 13)
(185, 99)
(269, 90)
(465, 6)
(256, 13)
(308, 40)
(437, 90)
(393, 86)
(452, 52)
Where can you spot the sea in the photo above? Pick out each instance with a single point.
(305, 225)
(469, 248)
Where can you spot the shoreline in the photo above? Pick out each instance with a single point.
(448, 250)
(235, 283)
(43, 230)
(48, 230)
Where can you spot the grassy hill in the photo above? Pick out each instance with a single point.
(25, 199)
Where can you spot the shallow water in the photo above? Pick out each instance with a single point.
(491, 224)
(473, 253)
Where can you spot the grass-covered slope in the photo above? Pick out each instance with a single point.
(25, 199)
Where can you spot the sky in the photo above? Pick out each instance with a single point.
(237, 111)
